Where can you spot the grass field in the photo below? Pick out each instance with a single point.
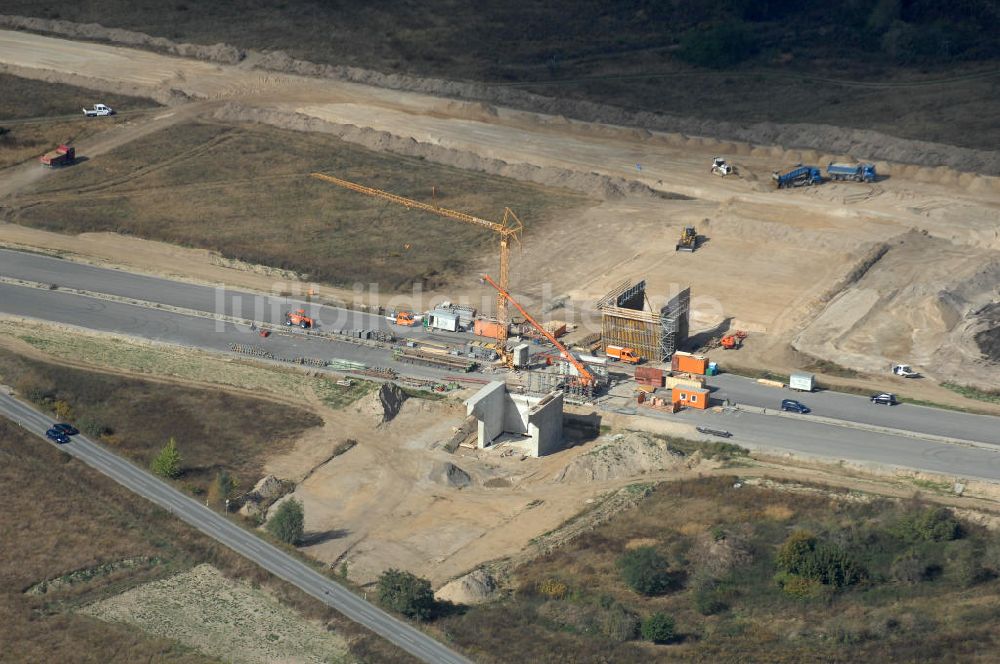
(63, 520)
(924, 587)
(40, 113)
(245, 192)
(214, 430)
(919, 64)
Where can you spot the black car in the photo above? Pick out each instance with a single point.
(66, 429)
(794, 406)
(57, 435)
(885, 399)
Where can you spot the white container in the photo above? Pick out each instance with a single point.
(804, 382)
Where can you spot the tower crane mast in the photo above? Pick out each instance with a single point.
(508, 229)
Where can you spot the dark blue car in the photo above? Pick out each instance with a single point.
(57, 435)
(794, 406)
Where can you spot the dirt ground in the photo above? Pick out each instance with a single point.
(772, 263)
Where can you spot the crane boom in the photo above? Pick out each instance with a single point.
(509, 229)
(586, 377)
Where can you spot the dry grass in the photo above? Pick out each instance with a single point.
(60, 515)
(722, 540)
(214, 430)
(245, 192)
(47, 114)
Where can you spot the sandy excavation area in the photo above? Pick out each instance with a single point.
(399, 499)
(787, 265)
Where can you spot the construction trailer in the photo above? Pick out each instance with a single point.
(443, 319)
(691, 397)
(654, 336)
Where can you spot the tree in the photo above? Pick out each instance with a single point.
(658, 628)
(168, 462)
(288, 522)
(406, 593)
(644, 570)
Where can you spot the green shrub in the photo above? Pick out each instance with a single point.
(93, 426)
(618, 623)
(645, 571)
(797, 586)
(288, 522)
(934, 524)
(805, 556)
(907, 567)
(707, 598)
(168, 462)
(406, 593)
(658, 628)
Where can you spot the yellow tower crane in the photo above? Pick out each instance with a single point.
(509, 231)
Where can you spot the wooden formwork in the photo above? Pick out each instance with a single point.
(639, 330)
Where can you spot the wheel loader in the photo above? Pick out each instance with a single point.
(689, 240)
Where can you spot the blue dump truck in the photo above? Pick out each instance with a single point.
(796, 177)
(856, 172)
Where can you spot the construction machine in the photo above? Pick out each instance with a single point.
(689, 239)
(404, 318)
(720, 167)
(733, 341)
(508, 230)
(585, 378)
(298, 317)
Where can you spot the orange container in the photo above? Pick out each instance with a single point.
(487, 328)
(692, 397)
(688, 363)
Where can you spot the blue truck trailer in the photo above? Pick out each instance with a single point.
(856, 172)
(796, 177)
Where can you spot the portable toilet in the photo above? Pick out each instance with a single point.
(692, 397)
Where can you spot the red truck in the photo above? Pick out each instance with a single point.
(64, 155)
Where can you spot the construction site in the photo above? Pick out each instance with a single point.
(495, 316)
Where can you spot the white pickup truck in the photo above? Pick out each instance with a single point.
(98, 110)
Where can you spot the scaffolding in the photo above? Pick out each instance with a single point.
(654, 336)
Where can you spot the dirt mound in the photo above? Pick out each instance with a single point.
(988, 339)
(383, 404)
(476, 587)
(625, 455)
(588, 183)
(924, 301)
(449, 474)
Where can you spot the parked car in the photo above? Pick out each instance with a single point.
(793, 406)
(58, 436)
(66, 429)
(905, 371)
(884, 398)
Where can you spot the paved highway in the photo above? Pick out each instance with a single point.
(854, 408)
(250, 306)
(245, 543)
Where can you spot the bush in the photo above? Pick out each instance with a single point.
(288, 522)
(35, 389)
(805, 556)
(553, 589)
(798, 587)
(168, 462)
(908, 568)
(935, 524)
(94, 426)
(644, 570)
(658, 628)
(63, 411)
(407, 594)
(707, 598)
(222, 488)
(619, 624)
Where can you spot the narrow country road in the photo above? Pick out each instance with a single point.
(239, 540)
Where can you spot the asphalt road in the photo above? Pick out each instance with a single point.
(854, 408)
(259, 308)
(239, 540)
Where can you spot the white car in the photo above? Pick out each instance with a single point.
(905, 371)
(98, 110)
